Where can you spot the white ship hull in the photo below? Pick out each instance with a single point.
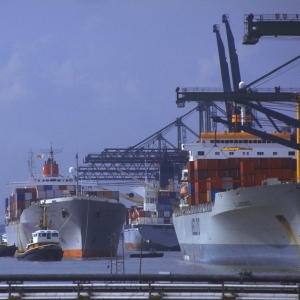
(85, 229)
(161, 237)
(247, 226)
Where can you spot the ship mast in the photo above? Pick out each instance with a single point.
(44, 224)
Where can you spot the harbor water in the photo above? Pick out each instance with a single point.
(171, 262)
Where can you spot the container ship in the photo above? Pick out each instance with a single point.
(87, 219)
(242, 202)
(150, 226)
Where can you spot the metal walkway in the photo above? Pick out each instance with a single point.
(157, 286)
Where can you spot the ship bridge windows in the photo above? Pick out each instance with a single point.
(150, 200)
(200, 153)
(217, 153)
(274, 153)
(260, 153)
(231, 153)
(259, 141)
(291, 153)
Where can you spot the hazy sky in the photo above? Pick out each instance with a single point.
(88, 75)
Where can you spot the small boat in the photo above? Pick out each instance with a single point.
(44, 244)
(7, 250)
(151, 253)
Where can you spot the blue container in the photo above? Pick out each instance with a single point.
(172, 194)
(160, 207)
(6, 202)
(47, 187)
(20, 196)
(166, 220)
(294, 164)
(191, 188)
(167, 207)
(160, 201)
(166, 201)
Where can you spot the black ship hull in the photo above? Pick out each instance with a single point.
(42, 253)
(8, 250)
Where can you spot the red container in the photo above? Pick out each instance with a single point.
(214, 183)
(223, 173)
(212, 164)
(200, 198)
(259, 178)
(200, 187)
(200, 174)
(287, 174)
(223, 164)
(190, 166)
(233, 163)
(287, 163)
(212, 173)
(250, 181)
(200, 164)
(234, 173)
(276, 163)
(236, 185)
(265, 163)
(142, 214)
(256, 162)
(265, 172)
(191, 175)
(191, 199)
(276, 173)
(247, 167)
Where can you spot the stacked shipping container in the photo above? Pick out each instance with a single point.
(163, 213)
(23, 197)
(210, 176)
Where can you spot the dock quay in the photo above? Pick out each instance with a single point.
(148, 286)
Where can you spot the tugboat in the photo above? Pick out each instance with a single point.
(44, 244)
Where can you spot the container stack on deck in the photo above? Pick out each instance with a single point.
(23, 197)
(211, 176)
(164, 202)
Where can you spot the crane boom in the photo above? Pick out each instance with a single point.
(139, 181)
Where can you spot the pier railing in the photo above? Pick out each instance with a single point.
(148, 286)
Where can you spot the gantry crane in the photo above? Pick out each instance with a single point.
(257, 26)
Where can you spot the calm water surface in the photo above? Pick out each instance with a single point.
(170, 262)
